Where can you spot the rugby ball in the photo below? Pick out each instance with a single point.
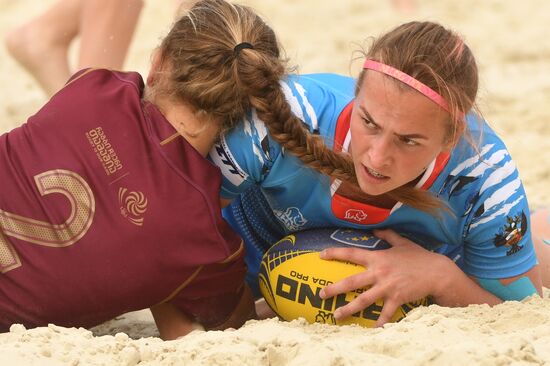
(292, 274)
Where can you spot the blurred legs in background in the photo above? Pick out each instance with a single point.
(105, 28)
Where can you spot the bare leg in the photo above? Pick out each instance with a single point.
(263, 310)
(540, 229)
(105, 26)
(106, 30)
(41, 45)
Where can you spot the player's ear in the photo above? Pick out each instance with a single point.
(156, 65)
(453, 137)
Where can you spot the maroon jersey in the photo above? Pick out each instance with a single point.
(101, 213)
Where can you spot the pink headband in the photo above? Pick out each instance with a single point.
(409, 80)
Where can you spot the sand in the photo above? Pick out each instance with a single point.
(510, 40)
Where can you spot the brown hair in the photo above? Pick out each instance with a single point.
(439, 58)
(207, 73)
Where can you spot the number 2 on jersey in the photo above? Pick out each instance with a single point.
(82, 201)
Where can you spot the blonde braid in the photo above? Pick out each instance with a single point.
(291, 133)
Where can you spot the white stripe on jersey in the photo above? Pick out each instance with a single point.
(427, 174)
(347, 141)
(469, 162)
(334, 186)
(309, 108)
(261, 131)
(502, 194)
(503, 211)
(489, 163)
(292, 101)
(498, 176)
(230, 169)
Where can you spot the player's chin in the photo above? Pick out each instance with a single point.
(373, 190)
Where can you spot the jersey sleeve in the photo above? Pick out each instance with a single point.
(247, 155)
(497, 233)
(213, 291)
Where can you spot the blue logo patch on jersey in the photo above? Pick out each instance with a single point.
(291, 218)
(359, 238)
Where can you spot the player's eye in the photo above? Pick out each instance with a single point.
(369, 124)
(409, 142)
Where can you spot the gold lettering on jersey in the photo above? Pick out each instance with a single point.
(104, 151)
(132, 205)
(82, 201)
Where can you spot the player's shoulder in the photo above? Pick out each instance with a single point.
(318, 99)
(92, 78)
(326, 83)
(480, 168)
(480, 146)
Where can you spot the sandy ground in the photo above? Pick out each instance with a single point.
(510, 40)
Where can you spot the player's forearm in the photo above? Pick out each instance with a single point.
(456, 289)
(171, 322)
(244, 311)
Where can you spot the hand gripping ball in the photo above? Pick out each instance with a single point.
(292, 274)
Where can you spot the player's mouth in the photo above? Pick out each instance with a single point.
(375, 176)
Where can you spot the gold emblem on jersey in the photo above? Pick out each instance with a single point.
(104, 151)
(132, 205)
